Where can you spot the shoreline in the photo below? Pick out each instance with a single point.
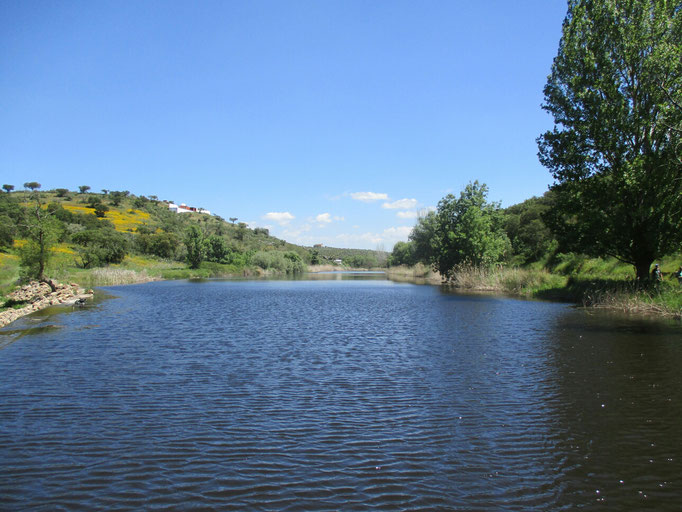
(581, 290)
(39, 295)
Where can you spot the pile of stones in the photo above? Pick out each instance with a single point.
(39, 295)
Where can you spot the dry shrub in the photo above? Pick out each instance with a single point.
(117, 276)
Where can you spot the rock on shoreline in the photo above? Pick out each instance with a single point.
(38, 295)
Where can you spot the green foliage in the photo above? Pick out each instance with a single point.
(615, 92)
(33, 185)
(285, 262)
(365, 260)
(100, 247)
(403, 254)
(194, 242)
(61, 192)
(530, 237)
(241, 231)
(35, 254)
(91, 221)
(424, 240)
(216, 249)
(94, 202)
(101, 210)
(140, 202)
(83, 189)
(348, 256)
(8, 188)
(7, 232)
(163, 245)
(469, 231)
(41, 230)
(60, 213)
(118, 196)
(11, 214)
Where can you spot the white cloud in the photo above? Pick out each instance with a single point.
(398, 232)
(401, 204)
(324, 219)
(359, 240)
(368, 240)
(412, 214)
(290, 234)
(368, 197)
(281, 218)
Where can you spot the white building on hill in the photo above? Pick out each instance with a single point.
(183, 208)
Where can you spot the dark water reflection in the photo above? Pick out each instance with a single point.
(337, 395)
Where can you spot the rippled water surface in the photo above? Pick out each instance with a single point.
(337, 395)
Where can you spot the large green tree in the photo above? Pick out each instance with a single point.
(614, 91)
(196, 247)
(469, 230)
(41, 229)
(423, 238)
(402, 254)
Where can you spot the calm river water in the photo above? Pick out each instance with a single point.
(337, 394)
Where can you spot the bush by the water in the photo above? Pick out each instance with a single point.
(287, 262)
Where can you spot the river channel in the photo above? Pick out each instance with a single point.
(342, 392)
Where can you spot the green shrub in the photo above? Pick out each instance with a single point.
(282, 262)
(100, 247)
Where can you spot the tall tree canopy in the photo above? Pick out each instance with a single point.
(615, 92)
(469, 230)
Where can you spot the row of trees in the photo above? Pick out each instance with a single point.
(615, 152)
(471, 231)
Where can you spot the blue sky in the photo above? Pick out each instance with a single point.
(326, 121)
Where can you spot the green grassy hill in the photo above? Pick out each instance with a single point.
(116, 237)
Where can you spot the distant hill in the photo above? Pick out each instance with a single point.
(99, 229)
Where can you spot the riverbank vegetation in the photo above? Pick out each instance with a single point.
(115, 237)
(525, 258)
(615, 208)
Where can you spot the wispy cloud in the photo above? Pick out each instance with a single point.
(368, 240)
(281, 218)
(411, 214)
(290, 234)
(401, 204)
(369, 197)
(326, 218)
(400, 232)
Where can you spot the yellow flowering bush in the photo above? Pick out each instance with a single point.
(6, 258)
(63, 249)
(122, 221)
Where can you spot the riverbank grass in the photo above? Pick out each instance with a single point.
(617, 293)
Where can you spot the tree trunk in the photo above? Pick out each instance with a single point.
(642, 266)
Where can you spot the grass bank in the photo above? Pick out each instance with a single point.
(134, 269)
(420, 273)
(616, 292)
